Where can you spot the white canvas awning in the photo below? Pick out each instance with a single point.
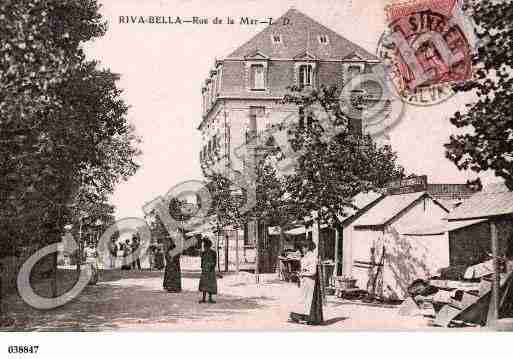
(439, 229)
(296, 231)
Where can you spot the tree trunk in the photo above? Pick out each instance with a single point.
(1, 292)
(237, 268)
(53, 283)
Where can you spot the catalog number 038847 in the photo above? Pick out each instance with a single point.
(22, 349)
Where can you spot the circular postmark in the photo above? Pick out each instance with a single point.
(425, 52)
(369, 98)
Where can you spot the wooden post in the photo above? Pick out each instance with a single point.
(218, 256)
(226, 244)
(237, 251)
(316, 237)
(257, 252)
(337, 244)
(79, 246)
(493, 312)
(1, 290)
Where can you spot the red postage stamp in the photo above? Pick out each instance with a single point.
(428, 47)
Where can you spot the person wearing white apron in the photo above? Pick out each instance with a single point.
(309, 307)
(91, 260)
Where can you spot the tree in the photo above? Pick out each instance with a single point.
(225, 203)
(332, 167)
(487, 141)
(227, 199)
(180, 212)
(63, 125)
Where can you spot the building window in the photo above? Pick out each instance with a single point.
(323, 39)
(353, 70)
(257, 77)
(254, 113)
(276, 38)
(214, 88)
(305, 75)
(302, 117)
(218, 81)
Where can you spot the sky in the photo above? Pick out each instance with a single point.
(163, 67)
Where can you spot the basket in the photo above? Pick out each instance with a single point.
(346, 283)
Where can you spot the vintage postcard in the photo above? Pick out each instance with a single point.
(330, 165)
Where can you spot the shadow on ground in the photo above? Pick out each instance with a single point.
(118, 301)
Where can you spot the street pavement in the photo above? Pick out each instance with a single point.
(135, 301)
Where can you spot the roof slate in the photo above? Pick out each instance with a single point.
(360, 201)
(300, 37)
(494, 200)
(388, 208)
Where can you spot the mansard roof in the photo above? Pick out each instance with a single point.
(301, 36)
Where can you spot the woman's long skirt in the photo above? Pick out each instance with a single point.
(173, 275)
(159, 261)
(94, 270)
(309, 307)
(208, 282)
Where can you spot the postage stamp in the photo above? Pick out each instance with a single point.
(428, 47)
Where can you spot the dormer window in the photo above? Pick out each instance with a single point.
(323, 39)
(354, 69)
(255, 72)
(276, 38)
(305, 75)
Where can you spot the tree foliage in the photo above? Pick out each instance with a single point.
(487, 141)
(63, 125)
(329, 171)
(334, 164)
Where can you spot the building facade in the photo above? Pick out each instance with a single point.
(242, 94)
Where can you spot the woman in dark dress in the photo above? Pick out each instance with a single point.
(172, 273)
(126, 254)
(159, 259)
(208, 280)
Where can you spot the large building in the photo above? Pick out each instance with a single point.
(241, 95)
(242, 92)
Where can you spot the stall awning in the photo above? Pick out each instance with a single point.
(439, 229)
(296, 231)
